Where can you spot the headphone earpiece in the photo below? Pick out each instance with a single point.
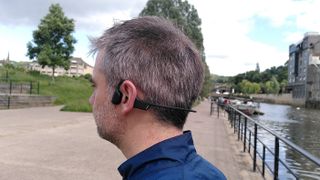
(117, 95)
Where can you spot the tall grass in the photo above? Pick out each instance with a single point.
(72, 92)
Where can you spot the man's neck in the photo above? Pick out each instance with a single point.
(144, 133)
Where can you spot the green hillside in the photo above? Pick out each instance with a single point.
(72, 92)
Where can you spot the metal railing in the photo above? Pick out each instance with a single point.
(212, 102)
(247, 131)
(8, 86)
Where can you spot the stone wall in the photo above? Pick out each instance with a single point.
(23, 101)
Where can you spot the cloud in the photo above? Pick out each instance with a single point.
(91, 18)
(218, 56)
(293, 37)
(226, 26)
(14, 41)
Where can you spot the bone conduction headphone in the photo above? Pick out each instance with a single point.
(117, 96)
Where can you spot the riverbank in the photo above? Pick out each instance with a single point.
(285, 99)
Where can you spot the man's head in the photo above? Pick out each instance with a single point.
(154, 57)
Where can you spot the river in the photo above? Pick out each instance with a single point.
(299, 125)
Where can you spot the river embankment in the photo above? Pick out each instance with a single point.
(285, 99)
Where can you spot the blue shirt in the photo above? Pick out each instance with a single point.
(171, 159)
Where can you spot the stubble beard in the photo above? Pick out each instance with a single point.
(108, 125)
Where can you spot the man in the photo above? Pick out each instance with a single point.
(146, 77)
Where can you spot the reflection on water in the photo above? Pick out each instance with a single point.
(299, 125)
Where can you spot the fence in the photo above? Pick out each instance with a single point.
(14, 87)
(247, 129)
(212, 108)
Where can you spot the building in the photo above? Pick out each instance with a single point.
(77, 68)
(304, 70)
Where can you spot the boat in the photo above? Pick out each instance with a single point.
(247, 107)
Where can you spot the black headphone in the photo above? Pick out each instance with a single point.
(117, 96)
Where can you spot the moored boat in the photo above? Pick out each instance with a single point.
(247, 107)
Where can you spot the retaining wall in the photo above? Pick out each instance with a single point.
(23, 101)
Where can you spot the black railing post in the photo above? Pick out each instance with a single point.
(21, 88)
(211, 104)
(245, 134)
(241, 130)
(232, 118)
(30, 87)
(218, 110)
(276, 158)
(239, 122)
(10, 87)
(234, 124)
(249, 141)
(9, 101)
(255, 147)
(263, 159)
(38, 88)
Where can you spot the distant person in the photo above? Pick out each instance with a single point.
(146, 76)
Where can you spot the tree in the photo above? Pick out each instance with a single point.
(248, 87)
(283, 85)
(272, 86)
(268, 80)
(256, 88)
(52, 43)
(244, 86)
(185, 16)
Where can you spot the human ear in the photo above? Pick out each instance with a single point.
(129, 92)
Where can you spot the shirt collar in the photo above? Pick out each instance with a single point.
(178, 148)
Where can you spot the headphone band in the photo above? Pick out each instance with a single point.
(139, 104)
(146, 105)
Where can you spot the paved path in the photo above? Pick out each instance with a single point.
(44, 143)
(216, 142)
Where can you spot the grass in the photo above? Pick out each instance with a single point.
(72, 92)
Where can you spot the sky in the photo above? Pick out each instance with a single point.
(237, 34)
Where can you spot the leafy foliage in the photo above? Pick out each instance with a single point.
(280, 73)
(272, 86)
(52, 43)
(248, 87)
(273, 80)
(186, 17)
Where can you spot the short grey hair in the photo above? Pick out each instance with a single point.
(158, 58)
